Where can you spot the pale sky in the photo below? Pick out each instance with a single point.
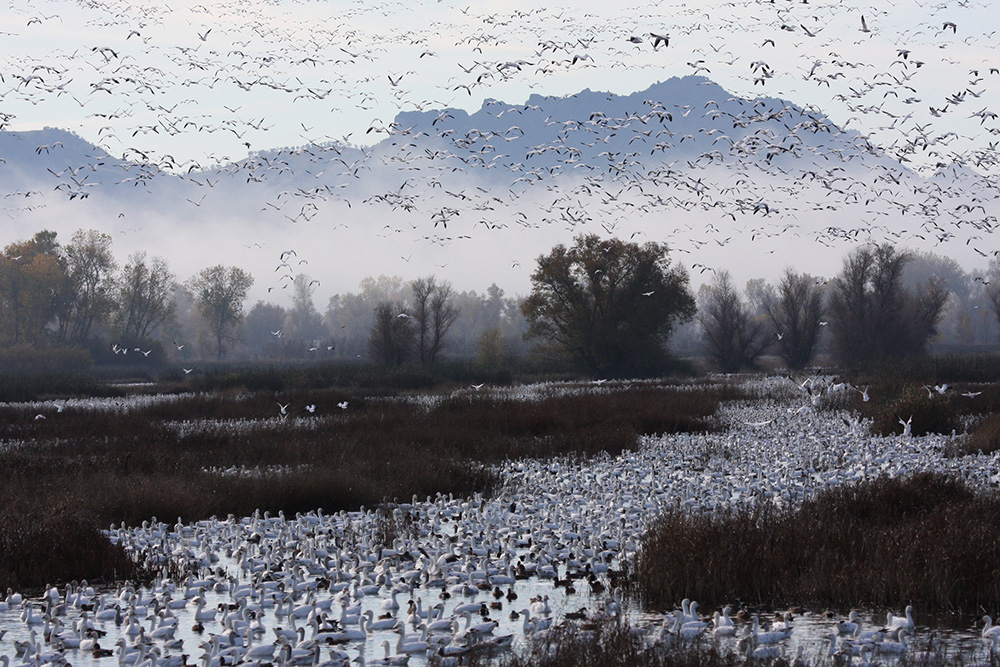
(192, 84)
(339, 68)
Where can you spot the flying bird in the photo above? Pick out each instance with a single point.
(906, 425)
(657, 39)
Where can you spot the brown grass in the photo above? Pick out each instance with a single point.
(60, 543)
(926, 539)
(131, 466)
(898, 389)
(984, 437)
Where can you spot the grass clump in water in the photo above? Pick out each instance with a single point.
(925, 539)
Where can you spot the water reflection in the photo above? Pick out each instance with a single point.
(956, 635)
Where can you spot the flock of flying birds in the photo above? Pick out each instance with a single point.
(918, 164)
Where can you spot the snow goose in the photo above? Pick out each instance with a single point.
(989, 630)
(720, 628)
(409, 644)
(772, 637)
(889, 647)
(376, 624)
(851, 625)
(905, 622)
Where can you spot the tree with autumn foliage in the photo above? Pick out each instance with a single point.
(31, 274)
(607, 305)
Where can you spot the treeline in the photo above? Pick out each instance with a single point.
(71, 295)
(608, 306)
(884, 303)
(78, 295)
(603, 305)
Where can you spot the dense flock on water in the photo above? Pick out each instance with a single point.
(430, 580)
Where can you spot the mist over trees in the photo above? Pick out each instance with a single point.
(603, 306)
(143, 292)
(393, 336)
(350, 317)
(795, 311)
(220, 292)
(874, 315)
(734, 338)
(434, 313)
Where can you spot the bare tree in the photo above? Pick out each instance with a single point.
(87, 298)
(991, 287)
(392, 336)
(144, 292)
(993, 296)
(795, 312)
(733, 338)
(874, 316)
(220, 293)
(434, 313)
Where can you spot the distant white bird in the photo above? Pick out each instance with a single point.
(342, 405)
(283, 408)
